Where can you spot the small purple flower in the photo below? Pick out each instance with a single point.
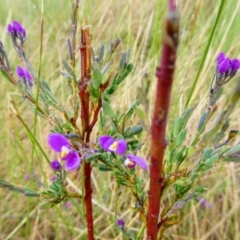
(27, 177)
(61, 145)
(235, 64)
(72, 161)
(68, 204)
(55, 165)
(24, 75)
(132, 160)
(57, 141)
(16, 30)
(53, 178)
(108, 143)
(120, 223)
(220, 57)
(224, 66)
(204, 203)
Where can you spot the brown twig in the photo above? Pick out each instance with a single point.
(159, 120)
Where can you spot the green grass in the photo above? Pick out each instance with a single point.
(139, 25)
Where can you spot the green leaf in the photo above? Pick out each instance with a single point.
(181, 137)
(130, 110)
(199, 190)
(202, 121)
(104, 169)
(46, 205)
(177, 126)
(97, 76)
(5, 75)
(231, 159)
(209, 162)
(233, 150)
(93, 157)
(101, 54)
(16, 189)
(66, 75)
(28, 194)
(216, 96)
(29, 190)
(95, 93)
(134, 131)
(105, 67)
(119, 78)
(107, 109)
(5, 184)
(111, 89)
(68, 68)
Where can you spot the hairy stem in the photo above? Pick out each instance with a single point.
(159, 120)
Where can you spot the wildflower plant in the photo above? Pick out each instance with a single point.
(106, 139)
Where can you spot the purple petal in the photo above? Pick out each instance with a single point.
(55, 165)
(56, 141)
(68, 204)
(10, 28)
(121, 146)
(105, 142)
(138, 160)
(204, 203)
(17, 26)
(53, 178)
(120, 223)
(27, 177)
(73, 161)
(20, 72)
(27, 74)
(220, 57)
(224, 65)
(235, 64)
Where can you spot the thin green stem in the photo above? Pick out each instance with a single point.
(220, 10)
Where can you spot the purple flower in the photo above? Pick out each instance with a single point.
(53, 178)
(68, 204)
(24, 75)
(220, 57)
(235, 64)
(55, 165)
(16, 30)
(57, 141)
(61, 145)
(120, 223)
(132, 160)
(27, 177)
(108, 143)
(224, 66)
(204, 203)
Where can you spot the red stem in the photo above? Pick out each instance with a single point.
(85, 50)
(88, 199)
(159, 120)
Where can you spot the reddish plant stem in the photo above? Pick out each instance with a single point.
(159, 120)
(98, 107)
(85, 51)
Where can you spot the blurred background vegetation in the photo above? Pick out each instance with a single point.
(139, 25)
